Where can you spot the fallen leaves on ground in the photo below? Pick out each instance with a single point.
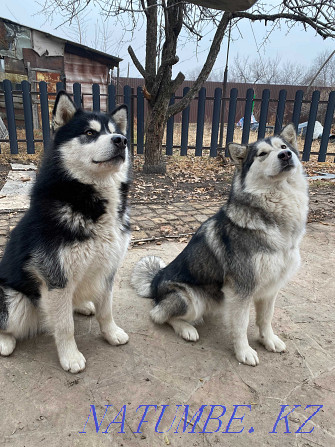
(187, 178)
(203, 179)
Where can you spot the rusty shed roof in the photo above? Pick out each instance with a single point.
(84, 51)
(77, 48)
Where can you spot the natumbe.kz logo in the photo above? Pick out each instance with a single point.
(217, 419)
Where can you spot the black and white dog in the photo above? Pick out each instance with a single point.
(64, 253)
(246, 252)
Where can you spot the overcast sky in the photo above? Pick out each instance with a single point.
(297, 45)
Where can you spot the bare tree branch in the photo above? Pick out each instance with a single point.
(207, 68)
(151, 44)
(137, 63)
(173, 25)
(324, 29)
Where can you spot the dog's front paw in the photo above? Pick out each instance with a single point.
(189, 333)
(116, 336)
(273, 343)
(7, 344)
(247, 355)
(73, 362)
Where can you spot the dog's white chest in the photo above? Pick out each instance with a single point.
(100, 254)
(273, 270)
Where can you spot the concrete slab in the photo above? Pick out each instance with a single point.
(23, 167)
(15, 193)
(43, 405)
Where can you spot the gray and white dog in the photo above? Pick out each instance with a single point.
(246, 252)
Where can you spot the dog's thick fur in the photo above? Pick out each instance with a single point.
(247, 251)
(65, 251)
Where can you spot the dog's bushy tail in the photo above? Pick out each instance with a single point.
(143, 274)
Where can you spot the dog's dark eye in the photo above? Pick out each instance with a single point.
(283, 146)
(262, 154)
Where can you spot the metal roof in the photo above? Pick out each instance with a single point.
(74, 47)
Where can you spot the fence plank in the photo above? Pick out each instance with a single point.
(96, 97)
(200, 121)
(310, 125)
(7, 86)
(169, 131)
(127, 101)
(247, 115)
(59, 86)
(77, 94)
(111, 97)
(28, 116)
(140, 121)
(280, 112)
(327, 127)
(45, 114)
(184, 126)
(299, 94)
(263, 116)
(231, 118)
(215, 121)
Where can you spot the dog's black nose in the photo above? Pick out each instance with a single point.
(119, 141)
(285, 155)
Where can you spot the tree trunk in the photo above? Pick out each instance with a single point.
(161, 89)
(153, 155)
(154, 162)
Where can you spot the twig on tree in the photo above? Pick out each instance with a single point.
(137, 63)
(146, 94)
(180, 78)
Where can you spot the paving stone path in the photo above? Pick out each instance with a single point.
(149, 222)
(156, 221)
(153, 221)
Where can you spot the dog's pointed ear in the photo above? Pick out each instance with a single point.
(63, 111)
(238, 153)
(289, 134)
(120, 116)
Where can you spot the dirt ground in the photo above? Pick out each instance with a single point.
(166, 376)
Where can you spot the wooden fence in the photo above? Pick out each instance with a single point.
(37, 107)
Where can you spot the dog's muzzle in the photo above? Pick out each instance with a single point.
(286, 159)
(119, 143)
